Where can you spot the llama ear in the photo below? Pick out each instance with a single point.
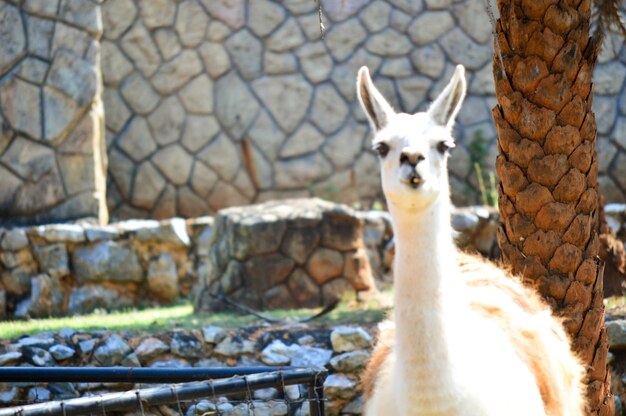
(448, 104)
(372, 101)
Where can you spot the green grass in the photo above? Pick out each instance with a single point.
(182, 316)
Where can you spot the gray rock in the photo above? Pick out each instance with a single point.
(38, 356)
(175, 163)
(350, 339)
(608, 78)
(87, 346)
(9, 358)
(429, 26)
(140, 96)
(277, 353)
(210, 362)
(167, 41)
(46, 298)
(74, 76)
(213, 334)
(158, 13)
(376, 16)
(61, 352)
(236, 107)
(150, 348)
(215, 58)
(350, 362)
(138, 45)
(62, 391)
(245, 51)
(311, 357)
(187, 346)
(90, 297)
(177, 72)
(339, 386)
(343, 38)
(106, 261)
(266, 394)
(316, 62)
(174, 363)
(287, 98)
(103, 232)
(112, 351)
(279, 63)
(461, 49)
(233, 347)
(9, 396)
(197, 95)
(117, 16)
(389, 42)
(18, 98)
(38, 395)
(131, 360)
(329, 110)
(231, 12)
(163, 277)
(167, 121)
(199, 131)
(12, 37)
(18, 280)
(264, 16)
(191, 23)
(223, 156)
(44, 340)
(300, 172)
(53, 259)
(355, 407)
(14, 239)
(286, 37)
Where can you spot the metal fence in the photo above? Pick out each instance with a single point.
(198, 384)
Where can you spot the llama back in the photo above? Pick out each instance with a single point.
(537, 336)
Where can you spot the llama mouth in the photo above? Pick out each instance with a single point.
(413, 181)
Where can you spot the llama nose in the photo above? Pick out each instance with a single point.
(411, 157)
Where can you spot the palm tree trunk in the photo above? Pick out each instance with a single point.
(548, 191)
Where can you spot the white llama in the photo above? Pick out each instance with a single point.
(466, 338)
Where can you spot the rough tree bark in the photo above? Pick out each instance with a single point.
(548, 194)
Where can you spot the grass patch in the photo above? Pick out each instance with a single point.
(182, 316)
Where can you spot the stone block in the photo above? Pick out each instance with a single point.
(21, 106)
(324, 265)
(53, 259)
(12, 37)
(236, 107)
(191, 23)
(264, 16)
(87, 298)
(172, 75)
(46, 299)
(287, 98)
(163, 278)
(106, 261)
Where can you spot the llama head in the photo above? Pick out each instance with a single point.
(412, 148)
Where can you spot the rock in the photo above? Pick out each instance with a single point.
(62, 391)
(266, 394)
(325, 265)
(329, 110)
(264, 16)
(213, 334)
(9, 396)
(14, 239)
(175, 163)
(222, 156)
(117, 16)
(167, 121)
(236, 107)
(350, 362)
(174, 74)
(163, 277)
(173, 232)
(299, 243)
(177, 363)
(87, 346)
(616, 331)
(60, 112)
(267, 271)
(305, 291)
(140, 96)
(112, 351)
(231, 12)
(191, 23)
(343, 38)
(9, 358)
(287, 98)
(115, 66)
(17, 101)
(277, 353)
(376, 16)
(311, 357)
(138, 45)
(463, 50)
(343, 147)
(106, 261)
(315, 61)
(158, 13)
(150, 348)
(197, 95)
(167, 42)
(187, 346)
(245, 51)
(233, 347)
(44, 341)
(345, 339)
(12, 37)
(99, 233)
(17, 281)
(199, 131)
(38, 395)
(286, 37)
(61, 352)
(429, 26)
(53, 259)
(46, 299)
(608, 78)
(215, 58)
(38, 356)
(338, 386)
(279, 63)
(85, 299)
(429, 60)
(299, 172)
(33, 70)
(75, 77)
(131, 360)
(389, 42)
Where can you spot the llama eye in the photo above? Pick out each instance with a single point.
(382, 149)
(444, 146)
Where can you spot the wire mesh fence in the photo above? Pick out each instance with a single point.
(203, 391)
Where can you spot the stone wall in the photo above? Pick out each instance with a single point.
(343, 350)
(218, 103)
(52, 155)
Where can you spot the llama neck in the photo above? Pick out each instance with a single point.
(427, 295)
